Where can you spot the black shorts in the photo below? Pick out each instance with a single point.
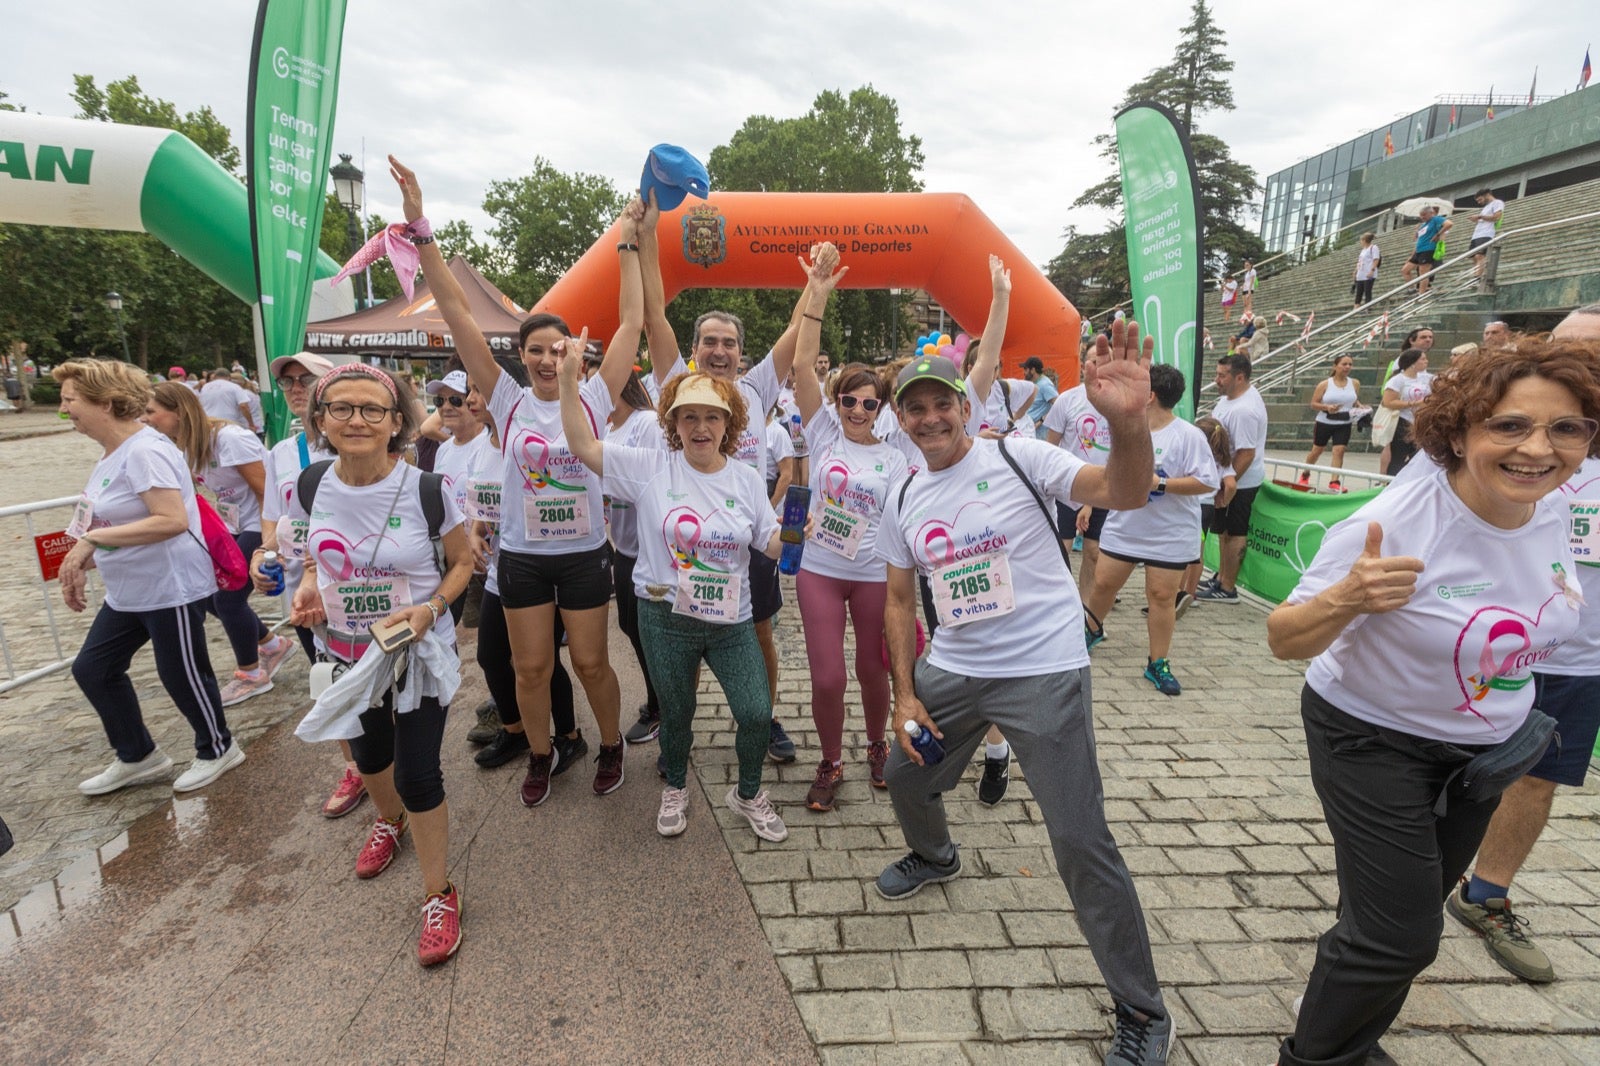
(1335, 433)
(1157, 563)
(1422, 258)
(766, 595)
(1234, 519)
(573, 581)
(1478, 242)
(1067, 521)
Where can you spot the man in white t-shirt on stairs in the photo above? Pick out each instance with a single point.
(975, 522)
(1243, 414)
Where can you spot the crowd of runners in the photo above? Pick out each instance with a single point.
(940, 537)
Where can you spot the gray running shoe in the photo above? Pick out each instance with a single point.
(1139, 1040)
(1503, 935)
(906, 877)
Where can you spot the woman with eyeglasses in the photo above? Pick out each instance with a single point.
(552, 553)
(229, 467)
(1390, 737)
(852, 474)
(371, 560)
(296, 375)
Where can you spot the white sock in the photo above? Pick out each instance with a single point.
(1001, 750)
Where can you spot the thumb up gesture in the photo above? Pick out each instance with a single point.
(1378, 583)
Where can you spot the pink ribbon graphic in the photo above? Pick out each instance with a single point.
(685, 528)
(835, 479)
(390, 241)
(534, 453)
(938, 544)
(333, 557)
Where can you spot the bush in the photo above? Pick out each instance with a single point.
(45, 392)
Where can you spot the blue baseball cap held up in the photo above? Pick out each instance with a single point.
(673, 173)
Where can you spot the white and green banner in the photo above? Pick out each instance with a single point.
(1159, 191)
(294, 85)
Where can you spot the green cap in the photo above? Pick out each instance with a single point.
(929, 368)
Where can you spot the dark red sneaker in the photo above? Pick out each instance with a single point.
(877, 756)
(821, 794)
(441, 927)
(608, 768)
(382, 846)
(536, 786)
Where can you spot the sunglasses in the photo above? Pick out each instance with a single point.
(1563, 432)
(848, 402)
(289, 381)
(454, 401)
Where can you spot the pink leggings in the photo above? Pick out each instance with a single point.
(822, 607)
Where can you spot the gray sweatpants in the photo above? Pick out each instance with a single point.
(1046, 720)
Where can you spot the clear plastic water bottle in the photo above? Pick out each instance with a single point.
(926, 743)
(272, 568)
(796, 505)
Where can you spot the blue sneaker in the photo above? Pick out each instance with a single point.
(1091, 637)
(905, 878)
(1159, 674)
(1216, 594)
(1139, 1040)
(779, 747)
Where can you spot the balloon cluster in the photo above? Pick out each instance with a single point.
(941, 344)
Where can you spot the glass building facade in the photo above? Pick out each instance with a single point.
(1306, 202)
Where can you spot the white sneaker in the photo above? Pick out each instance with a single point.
(673, 817)
(122, 774)
(202, 772)
(760, 814)
(244, 685)
(275, 652)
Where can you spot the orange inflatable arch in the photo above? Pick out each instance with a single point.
(939, 242)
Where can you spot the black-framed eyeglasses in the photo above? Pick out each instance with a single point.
(454, 401)
(1562, 433)
(371, 413)
(289, 381)
(868, 404)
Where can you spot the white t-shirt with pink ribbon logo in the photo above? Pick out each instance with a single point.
(1084, 431)
(978, 516)
(850, 483)
(551, 504)
(1456, 663)
(230, 494)
(696, 530)
(1167, 528)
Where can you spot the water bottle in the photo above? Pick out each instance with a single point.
(926, 743)
(272, 568)
(796, 505)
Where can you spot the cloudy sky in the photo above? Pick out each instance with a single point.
(1006, 96)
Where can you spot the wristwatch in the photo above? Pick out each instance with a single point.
(1161, 486)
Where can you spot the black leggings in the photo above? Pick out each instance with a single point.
(177, 635)
(628, 620)
(244, 630)
(410, 743)
(1402, 449)
(494, 659)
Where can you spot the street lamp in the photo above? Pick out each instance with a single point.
(114, 305)
(847, 352)
(349, 188)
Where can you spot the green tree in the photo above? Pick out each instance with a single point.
(125, 102)
(1192, 84)
(543, 223)
(851, 143)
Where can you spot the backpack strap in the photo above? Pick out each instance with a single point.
(431, 485)
(305, 486)
(1055, 534)
(900, 504)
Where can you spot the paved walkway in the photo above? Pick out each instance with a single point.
(228, 926)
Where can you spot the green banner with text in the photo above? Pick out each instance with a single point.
(1159, 188)
(1286, 529)
(294, 85)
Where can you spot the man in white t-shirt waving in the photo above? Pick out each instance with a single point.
(1243, 414)
(1008, 652)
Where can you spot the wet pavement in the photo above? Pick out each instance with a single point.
(229, 926)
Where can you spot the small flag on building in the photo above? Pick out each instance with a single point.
(1388, 142)
(1452, 119)
(1586, 72)
(1534, 86)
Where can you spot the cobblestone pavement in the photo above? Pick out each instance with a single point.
(1208, 794)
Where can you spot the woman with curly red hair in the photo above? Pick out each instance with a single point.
(698, 517)
(1390, 743)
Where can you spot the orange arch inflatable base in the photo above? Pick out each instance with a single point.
(939, 242)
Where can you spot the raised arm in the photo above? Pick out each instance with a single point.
(658, 335)
(581, 440)
(783, 351)
(617, 366)
(821, 279)
(446, 291)
(1117, 383)
(987, 366)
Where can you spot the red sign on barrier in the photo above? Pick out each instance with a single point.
(51, 549)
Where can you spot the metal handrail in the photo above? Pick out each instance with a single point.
(1320, 350)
